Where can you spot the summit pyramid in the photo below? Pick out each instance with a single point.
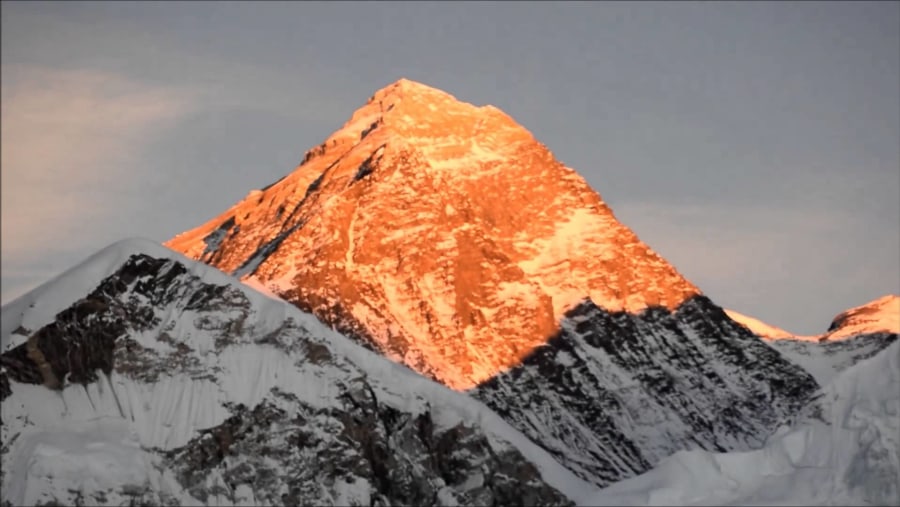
(442, 233)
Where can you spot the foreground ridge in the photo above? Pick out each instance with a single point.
(181, 386)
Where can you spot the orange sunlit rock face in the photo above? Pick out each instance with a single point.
(442, 232)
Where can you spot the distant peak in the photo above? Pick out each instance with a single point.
(880, 315)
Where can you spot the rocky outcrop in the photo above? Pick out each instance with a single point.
(879, 316)
(613, 393)
(160, 348)
(78, 344)
(92, 335)
(359, 452)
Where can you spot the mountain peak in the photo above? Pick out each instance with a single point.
(441, 231)
(433, 122)
(760, 328)
(880, 315)
(404, 87)
(406, 97)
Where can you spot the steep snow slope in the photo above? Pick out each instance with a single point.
(844, 449)
(40, 306)
(879, 316)
(165, 381)
(760, 328)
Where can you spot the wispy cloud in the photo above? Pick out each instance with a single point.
(69, 136)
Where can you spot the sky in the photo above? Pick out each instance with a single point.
(755, 145)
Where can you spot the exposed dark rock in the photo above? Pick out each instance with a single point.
(4, 386)
(636, 388)
(404, 458)
(137, 323)
(92, 335)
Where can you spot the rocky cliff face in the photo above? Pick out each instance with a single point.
(613, 393)
(174, 384)
(439, 232)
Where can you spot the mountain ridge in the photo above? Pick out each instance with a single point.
(880, 315)
(431, 309)
(856, 334)
(427, 216)
(98, 267)
(447, 238)
(159, 357)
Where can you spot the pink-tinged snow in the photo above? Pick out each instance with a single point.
(763, 330)
(849, 455)
(96, 438)
(879, 316)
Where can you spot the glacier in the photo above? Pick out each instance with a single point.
(843, 449)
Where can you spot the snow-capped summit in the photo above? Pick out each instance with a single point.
(441, 233)
(141, 377)
(758, 327)
(434, 232)
(879, 316)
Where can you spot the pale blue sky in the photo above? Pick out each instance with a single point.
(754, 145)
